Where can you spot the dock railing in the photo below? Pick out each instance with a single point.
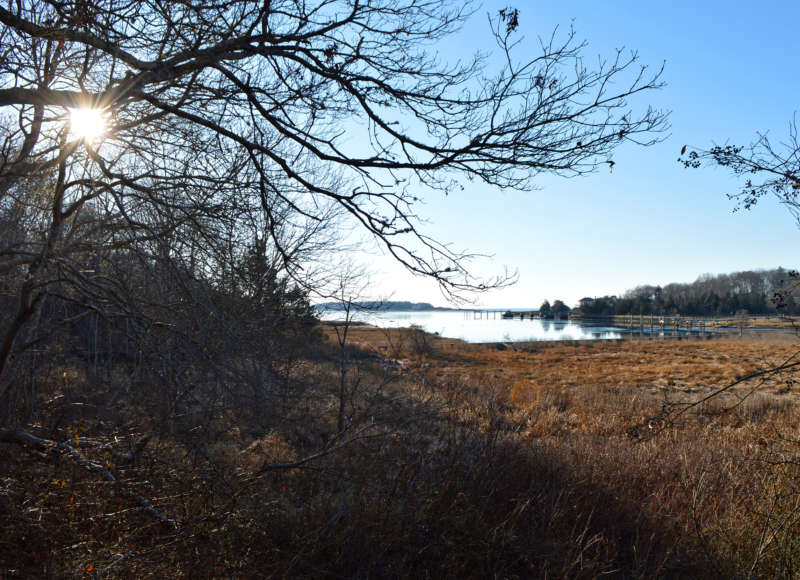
(678, 324)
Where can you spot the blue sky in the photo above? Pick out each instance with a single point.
(731, 70)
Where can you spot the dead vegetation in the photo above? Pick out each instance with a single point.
(460, 461)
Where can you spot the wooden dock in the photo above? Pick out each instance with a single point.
(654, 324)
(501, 314)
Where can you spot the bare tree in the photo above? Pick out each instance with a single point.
(350, 287)
(225, 122)
(766, 168)
(174, 249)
(286, 92)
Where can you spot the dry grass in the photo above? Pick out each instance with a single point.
(714, 474)
(481, 463)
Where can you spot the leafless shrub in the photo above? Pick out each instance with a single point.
(419, 340)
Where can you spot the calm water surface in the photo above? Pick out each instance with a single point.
(490, 328)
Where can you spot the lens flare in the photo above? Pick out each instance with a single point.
(87, 123)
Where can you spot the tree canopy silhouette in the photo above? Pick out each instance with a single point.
(767, 168)
(300, 104)
(242, 124)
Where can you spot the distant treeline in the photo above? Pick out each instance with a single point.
(754, 292)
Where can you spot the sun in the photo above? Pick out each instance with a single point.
(87, 123)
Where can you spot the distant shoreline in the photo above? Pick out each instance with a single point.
(402, 306)
(388, 306)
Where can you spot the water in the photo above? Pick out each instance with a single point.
(490, 328)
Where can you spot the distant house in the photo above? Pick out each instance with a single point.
(586, 302)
